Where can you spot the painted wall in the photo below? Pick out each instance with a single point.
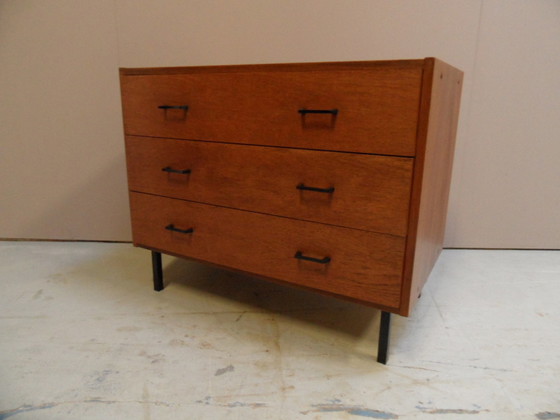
(62, 172)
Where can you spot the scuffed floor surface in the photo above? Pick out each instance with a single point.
(83, 336)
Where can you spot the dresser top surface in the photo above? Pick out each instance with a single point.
(314, 66)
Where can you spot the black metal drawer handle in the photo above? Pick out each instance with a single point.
(176, 171)
(183, 107)
(300, 256)
(322, 190)
(172, 228)
(318, 111)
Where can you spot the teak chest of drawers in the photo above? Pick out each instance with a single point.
(329, 176)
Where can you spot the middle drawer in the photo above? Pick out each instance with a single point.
(366, 192)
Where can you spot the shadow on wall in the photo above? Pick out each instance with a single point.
(98, 210)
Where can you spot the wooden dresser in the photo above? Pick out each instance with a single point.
(329, 176)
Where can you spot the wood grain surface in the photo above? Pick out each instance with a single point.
(377, 107)
(364, 266)
(387, 152)
(370, 192)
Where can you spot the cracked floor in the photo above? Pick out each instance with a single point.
(84, 336)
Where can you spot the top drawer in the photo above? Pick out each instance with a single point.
(367, 109)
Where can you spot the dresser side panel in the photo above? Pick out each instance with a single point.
(438, 119)
(122, 79)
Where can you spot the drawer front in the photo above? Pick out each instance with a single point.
(363, 265)
(377, 108)
(370, 192)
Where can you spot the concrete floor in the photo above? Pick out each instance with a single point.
(83, 336)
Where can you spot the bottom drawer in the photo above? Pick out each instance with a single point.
(353, 263)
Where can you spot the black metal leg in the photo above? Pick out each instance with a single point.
(158, 271)
(384, 329)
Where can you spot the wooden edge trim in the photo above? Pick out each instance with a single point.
(416, 189)
(317, 66)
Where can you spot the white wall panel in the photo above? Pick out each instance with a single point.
(62, 169)
(508, 195)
